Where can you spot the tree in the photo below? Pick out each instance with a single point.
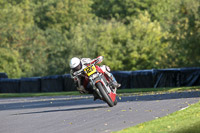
(121, 10)
(40, 37)
(26, 40)
(17, 13)
(146, 49)
(96, 38)
(58, 52)
(62, 14)
(184, 47)
(9, 63)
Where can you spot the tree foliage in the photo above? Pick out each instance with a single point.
(9, 63)
(62, 14)
(146, 49)
(38, 38)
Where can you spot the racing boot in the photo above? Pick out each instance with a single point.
(111, 77)
(115, 84)
(95, 96)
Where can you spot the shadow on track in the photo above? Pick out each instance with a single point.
(59, 103)
(61, 110)
(47, 103)
(176, 95)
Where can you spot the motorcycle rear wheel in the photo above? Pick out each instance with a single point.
(105, 95)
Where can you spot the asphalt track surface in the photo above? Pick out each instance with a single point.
(69, 114)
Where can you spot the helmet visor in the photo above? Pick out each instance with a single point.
(77, 68)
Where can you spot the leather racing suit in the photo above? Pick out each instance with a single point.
(82, 83)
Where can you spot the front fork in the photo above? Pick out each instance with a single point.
(102, 79)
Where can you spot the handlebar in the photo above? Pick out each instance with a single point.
(77, 73)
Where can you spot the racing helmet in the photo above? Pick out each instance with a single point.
(75, 64)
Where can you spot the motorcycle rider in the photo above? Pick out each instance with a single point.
(77, 64)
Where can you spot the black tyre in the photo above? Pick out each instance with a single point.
(105, 95)
(115, 102)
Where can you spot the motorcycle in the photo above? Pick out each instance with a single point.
(100, 83)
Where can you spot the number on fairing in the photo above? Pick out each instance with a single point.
(90, 70)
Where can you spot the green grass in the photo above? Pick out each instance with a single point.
(121, 92)
(8, 95)
(157, 90)
(184, 121)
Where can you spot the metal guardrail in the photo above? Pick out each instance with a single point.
(153, 78)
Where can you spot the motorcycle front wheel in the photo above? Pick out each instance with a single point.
(105, 96)
(115, 102)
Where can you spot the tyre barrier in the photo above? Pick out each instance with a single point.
(166, 78)
(30, 84)
(3, 75)
(153, 78)
(123, 77)
(189, 77)
(52, 84)
(68, 83)
(142, 79)
(55, 83)
(9, 85)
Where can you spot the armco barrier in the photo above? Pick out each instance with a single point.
(156, 78)
(129, 79)
(9, 85)
(30, 84)
(190, 77)
(123, 77)
(142, 79)
(3, 75)
(167, 78)
(52, 83)
(68, 83)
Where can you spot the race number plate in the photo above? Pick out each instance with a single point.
(90, 70)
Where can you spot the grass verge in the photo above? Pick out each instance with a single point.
(183, 121)
(119, 91)
(158, 90)
(9, 95)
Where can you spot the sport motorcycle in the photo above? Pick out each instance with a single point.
(100, 83)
